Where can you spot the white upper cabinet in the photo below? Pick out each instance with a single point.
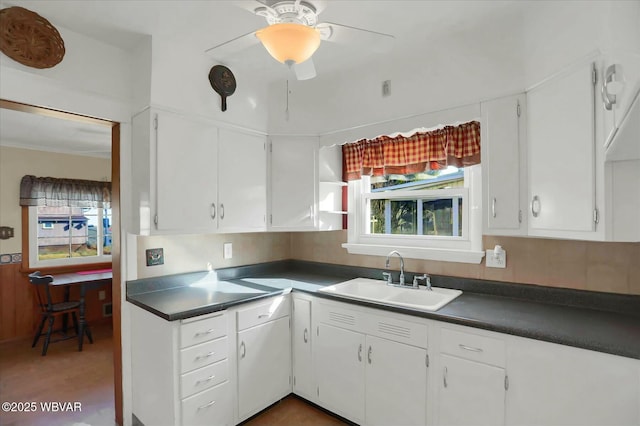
(174, 180)
(504, 165)
(561, 156)
(293, 183)
(242, 182)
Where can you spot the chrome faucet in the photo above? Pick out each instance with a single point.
(427, 281)
(386, 265)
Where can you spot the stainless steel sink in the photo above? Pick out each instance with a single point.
(379, 291)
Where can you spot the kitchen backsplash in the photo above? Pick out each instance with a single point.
(583, 265)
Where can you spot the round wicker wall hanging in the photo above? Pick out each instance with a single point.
(30, 39)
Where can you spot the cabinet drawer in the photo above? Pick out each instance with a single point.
(211, 407)
(201, 331)
(473, 347)
(203, 354)
(271, 309)
(204, 378)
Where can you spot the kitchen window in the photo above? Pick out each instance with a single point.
(69, 235)
(433, 212)
(69, 221)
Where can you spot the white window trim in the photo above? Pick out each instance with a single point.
(466, 249)
(34, 262)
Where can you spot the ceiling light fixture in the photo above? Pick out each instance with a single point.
(289, 43)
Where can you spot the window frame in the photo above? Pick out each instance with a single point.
(466, 249)
(31, 215)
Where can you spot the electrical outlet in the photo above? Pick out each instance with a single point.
(496, 259)
(102, 295)
(228, 250)
(155, 257)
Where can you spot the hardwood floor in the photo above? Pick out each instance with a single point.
(293, 411)
(64, 375)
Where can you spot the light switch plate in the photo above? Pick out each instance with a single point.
(496, 261)
(228, 250)
(155, 257)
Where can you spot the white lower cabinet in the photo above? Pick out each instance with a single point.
(340, 371)
(371, 366)
(470, 393)
(396, 383)
(552, 384)
(472, 380)
(263, 354)
(301, 346)
(180, 370)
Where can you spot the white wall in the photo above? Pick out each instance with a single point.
(475, 64)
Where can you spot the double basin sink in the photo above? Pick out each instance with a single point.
(378, 291)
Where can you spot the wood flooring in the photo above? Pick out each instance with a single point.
(64, 375)
(293, 411)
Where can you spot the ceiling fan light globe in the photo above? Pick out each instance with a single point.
(289, 42)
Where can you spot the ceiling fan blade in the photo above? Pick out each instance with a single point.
(233, 46)
(344, 34)
(305, 70)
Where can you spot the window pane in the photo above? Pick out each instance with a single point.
(442, 217)
(394, 217)
(64, 232)
(106, 226)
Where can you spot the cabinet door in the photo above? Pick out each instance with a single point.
(503, 165)
(396, 383)
(302, 356)
(340, 371)
(470, 393)
(186, 186)
(552, 384)
(264, 366)
(242, 182)
(293, 183)
(561, 157)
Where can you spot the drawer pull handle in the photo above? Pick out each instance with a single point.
(208, 379)
(203, 333)
(305, 335)
(470, 348)
(209, 355)
(202, 407)
(444, 377)
(263, 316)
(243, 349)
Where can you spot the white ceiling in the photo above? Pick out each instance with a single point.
(416, 25)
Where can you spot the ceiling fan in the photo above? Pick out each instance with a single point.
(293, 34)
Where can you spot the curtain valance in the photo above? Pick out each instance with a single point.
(48, 191)
(452, 145)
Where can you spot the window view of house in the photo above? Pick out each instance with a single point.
(65, 232)
(420, 214)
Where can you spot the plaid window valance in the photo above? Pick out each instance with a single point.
(48, 191)
(452, 145)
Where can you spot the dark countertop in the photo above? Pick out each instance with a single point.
(568, 317)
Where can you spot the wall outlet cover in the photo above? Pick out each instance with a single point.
(227, 251)
(494, 260)
(155, 257)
